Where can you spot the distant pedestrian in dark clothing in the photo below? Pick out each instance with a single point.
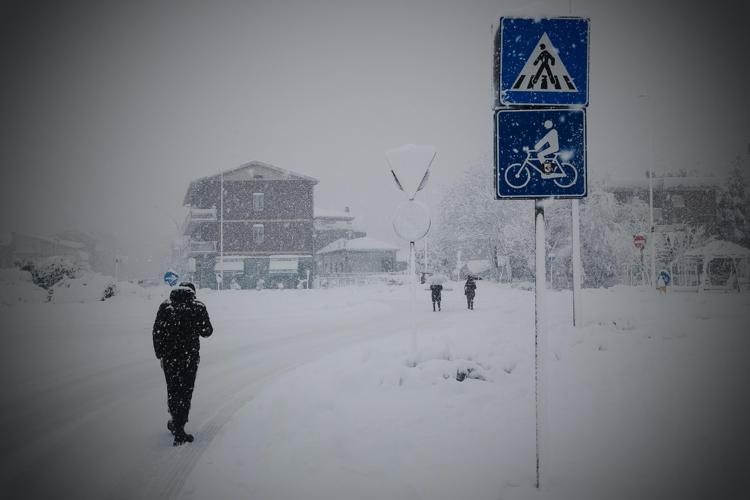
(180, 322)
(470, 290)
(436, 296)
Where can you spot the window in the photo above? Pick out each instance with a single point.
(258, 202)
(258, 233)
(678, 201)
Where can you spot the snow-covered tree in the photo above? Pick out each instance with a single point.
(734, 207)
(45, 272)
(472, 221)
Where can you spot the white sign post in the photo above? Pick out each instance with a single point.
(410, 167)
(577, 271)
(540, 344)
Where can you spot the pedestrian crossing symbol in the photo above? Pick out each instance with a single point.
(544, 71)
(542, 62)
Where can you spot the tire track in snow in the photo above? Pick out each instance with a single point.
(175, 467)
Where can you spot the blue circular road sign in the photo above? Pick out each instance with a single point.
(171, 278)
(666, 277)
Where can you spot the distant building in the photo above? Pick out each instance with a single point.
(331, 225)
(677, 200)
(22, 247)
(359, 255)
(681, 205)
(101, 248)
(266, 231)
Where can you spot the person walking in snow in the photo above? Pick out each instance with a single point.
(436, 290)
(470, 289)
(180, 322)
(661, 284)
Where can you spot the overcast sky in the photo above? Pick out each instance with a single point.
(109, 109)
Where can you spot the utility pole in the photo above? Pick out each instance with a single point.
(220, 281)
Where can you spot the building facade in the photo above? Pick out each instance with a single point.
(359, 256)
(26, 247)
(677, 200)
(255, 232)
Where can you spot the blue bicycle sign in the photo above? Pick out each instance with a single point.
(563, 175)
(540, 153)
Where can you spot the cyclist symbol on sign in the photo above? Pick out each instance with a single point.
(544, 159)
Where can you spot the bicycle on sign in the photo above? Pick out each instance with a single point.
(563, 175)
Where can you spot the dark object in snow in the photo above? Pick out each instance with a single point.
(180, 322)
(436, 296)
(181, 437)
(470, 290)
(471, 373)
(110, 291)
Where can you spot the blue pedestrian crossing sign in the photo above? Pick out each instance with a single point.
(543, 62)
(540, 153)
(171, 278)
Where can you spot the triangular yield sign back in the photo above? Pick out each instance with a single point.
(410, 166)
(544, 71)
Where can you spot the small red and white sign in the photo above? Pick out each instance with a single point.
(639, 240)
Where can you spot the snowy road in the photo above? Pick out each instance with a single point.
(85, 398)
(647, 401)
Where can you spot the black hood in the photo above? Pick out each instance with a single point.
(181, 294)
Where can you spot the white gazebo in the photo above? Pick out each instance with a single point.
(725, 265)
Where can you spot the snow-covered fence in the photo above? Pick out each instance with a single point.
(360, 279)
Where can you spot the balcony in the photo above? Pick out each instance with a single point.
(197, 216)
(202, 247)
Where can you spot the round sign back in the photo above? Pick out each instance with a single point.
(412, 220)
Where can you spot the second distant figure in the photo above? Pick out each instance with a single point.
(470, 289)
(436, 296)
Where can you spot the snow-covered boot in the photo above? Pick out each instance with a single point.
(181, 437)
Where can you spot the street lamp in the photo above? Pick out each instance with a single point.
(652, 243)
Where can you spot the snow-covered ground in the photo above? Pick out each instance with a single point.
(309, 394)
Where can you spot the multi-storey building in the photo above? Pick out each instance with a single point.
(260, 229)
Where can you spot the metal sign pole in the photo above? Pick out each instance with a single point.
(540, 340)
(413, 290)
(221, 231)
(577, 302)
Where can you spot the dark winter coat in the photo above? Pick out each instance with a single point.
(436, 290)
(470, 288)
(180, 322)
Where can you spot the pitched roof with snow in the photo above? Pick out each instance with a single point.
(365, 244)
(251, 171)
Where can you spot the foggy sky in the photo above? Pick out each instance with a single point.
(109, 109)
